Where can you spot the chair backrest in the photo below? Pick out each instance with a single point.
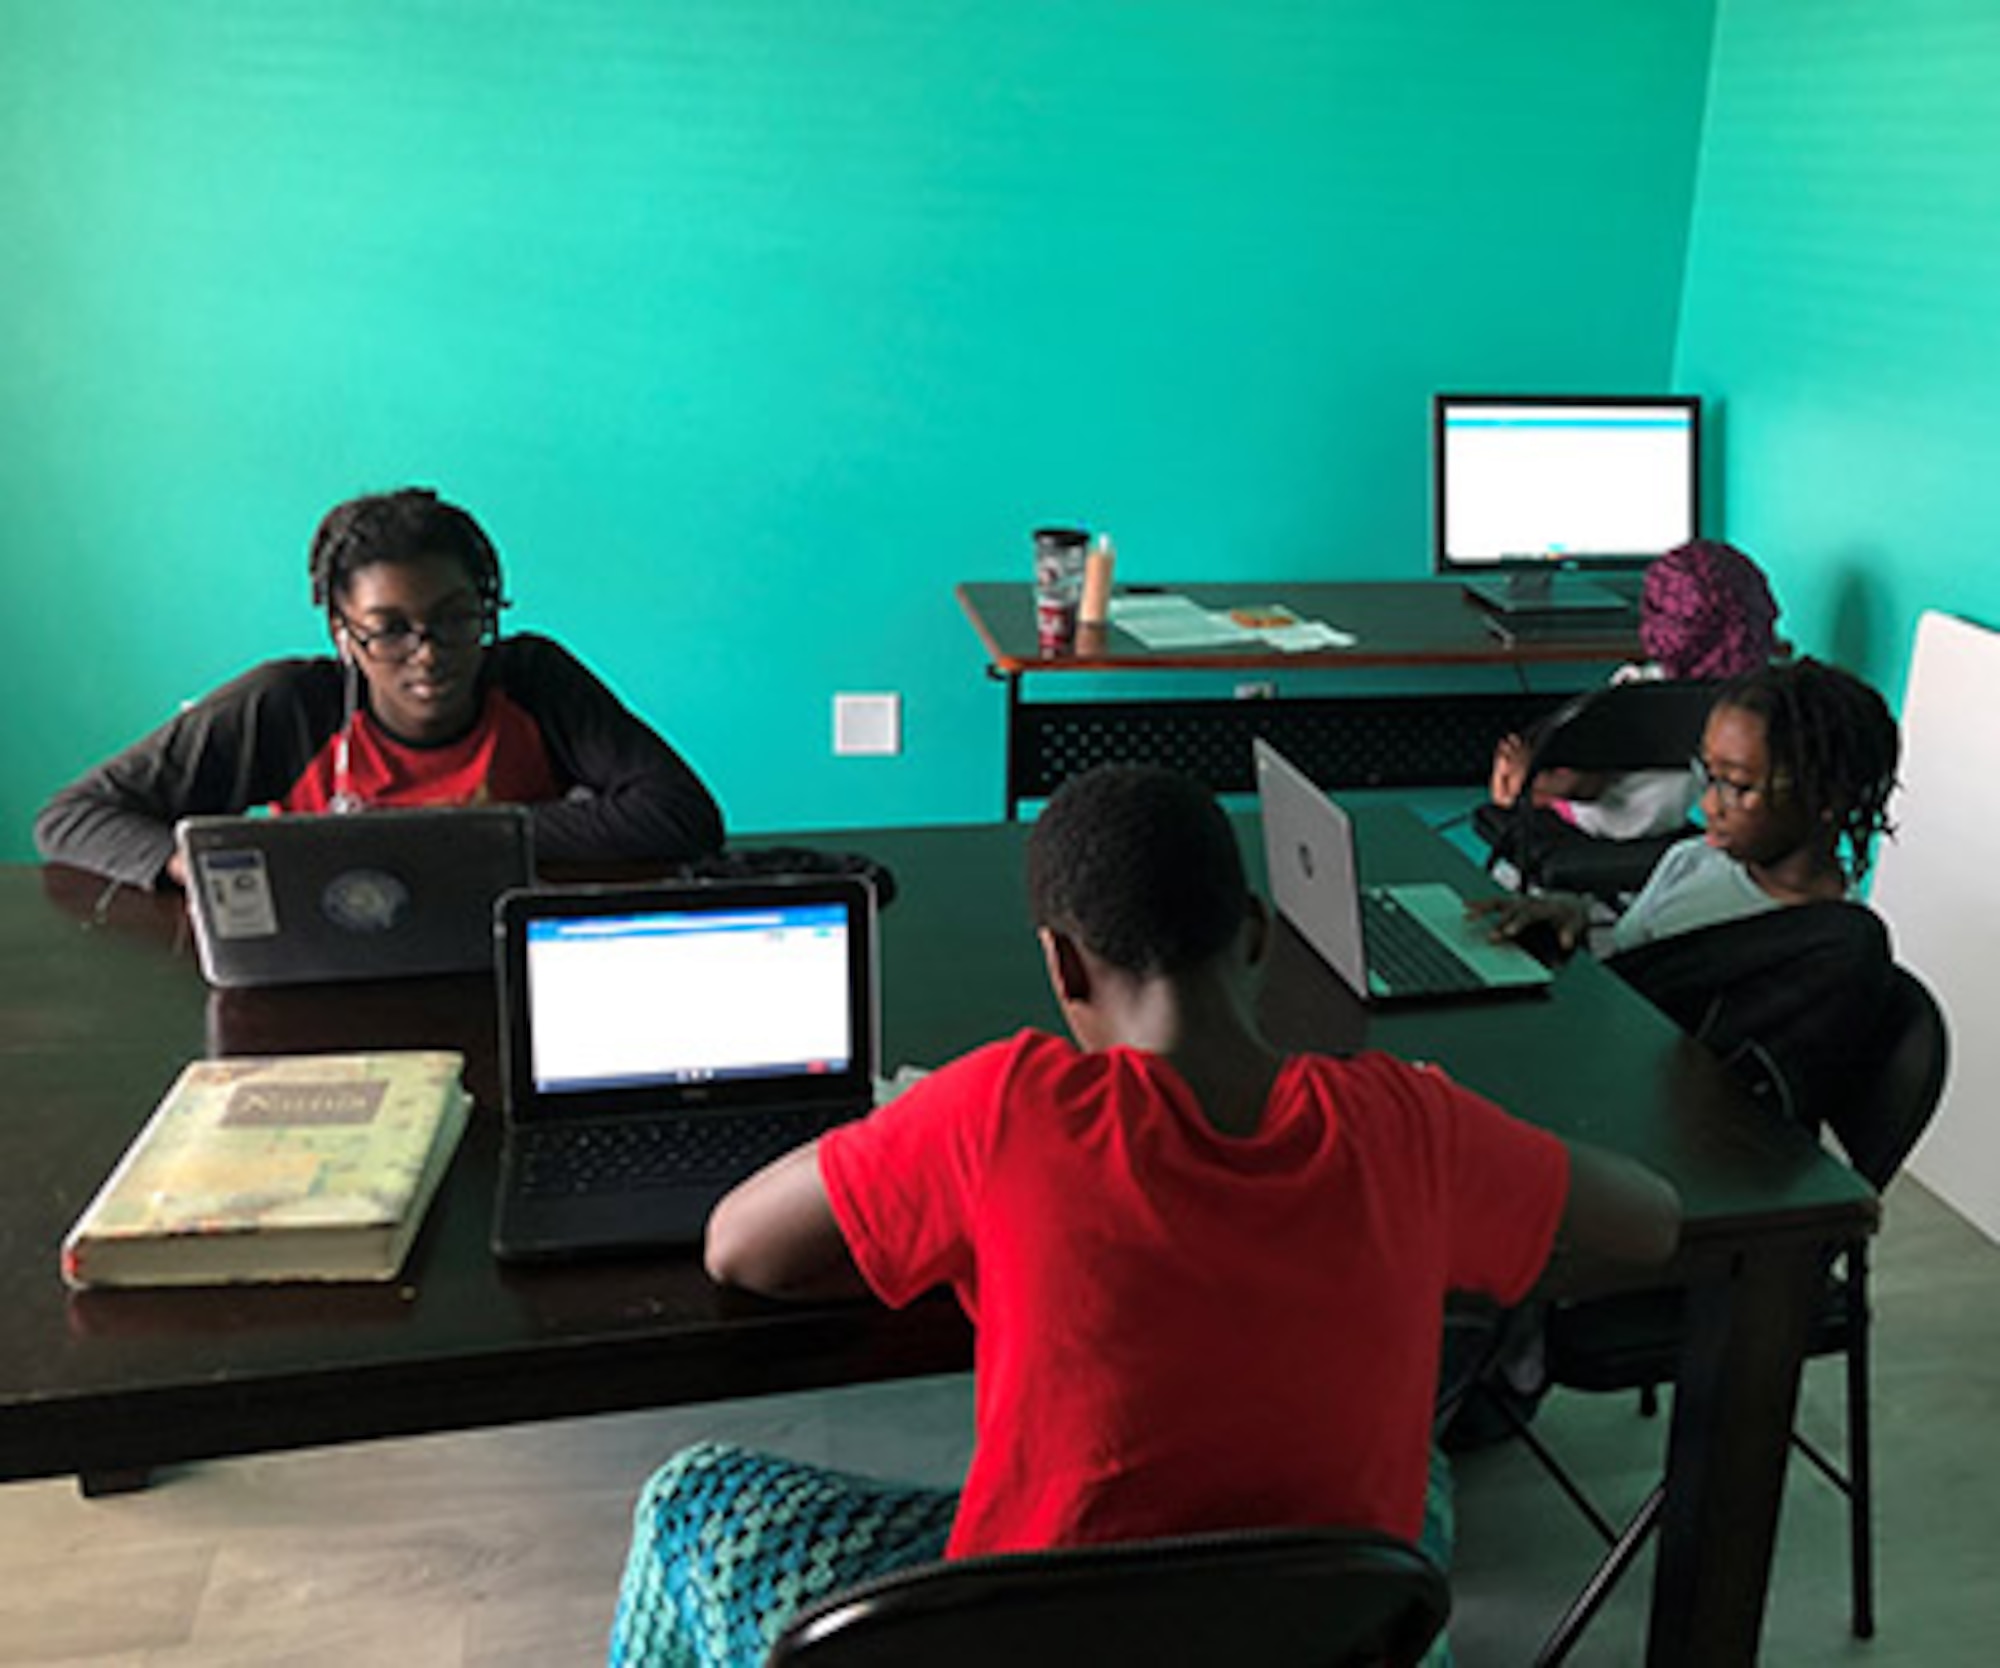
(1890, 1106)
(1318, 1598)
(1639, 725)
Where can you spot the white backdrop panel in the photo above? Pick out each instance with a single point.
(1938, 884)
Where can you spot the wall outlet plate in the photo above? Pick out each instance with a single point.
(868, 726)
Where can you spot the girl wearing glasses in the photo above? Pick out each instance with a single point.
(422, 703)
(1796, 767)
(1743, 935)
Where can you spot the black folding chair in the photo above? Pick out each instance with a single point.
(1632, 1341)
(1279, 1598)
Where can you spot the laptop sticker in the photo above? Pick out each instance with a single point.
(366, 900)
(239, 893)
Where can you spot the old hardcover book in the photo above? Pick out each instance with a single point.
(300, 1167)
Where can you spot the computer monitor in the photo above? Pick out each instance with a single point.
(1526, 486)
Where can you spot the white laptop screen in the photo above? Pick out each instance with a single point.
(685, 996)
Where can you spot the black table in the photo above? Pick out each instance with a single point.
(100, 1005)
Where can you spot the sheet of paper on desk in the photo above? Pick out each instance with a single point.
(1166, 621)
(1308, 634)
(1278, 627)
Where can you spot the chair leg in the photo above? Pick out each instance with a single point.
(98, 1485)
(1817, 1457)
(1860, 1455)
(1556, 1470)
(1562, 1640)
(1625, 1544)
(1857, 1481)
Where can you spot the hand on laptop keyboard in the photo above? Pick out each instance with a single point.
(1542, 923)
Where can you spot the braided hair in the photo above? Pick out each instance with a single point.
(1139, 865)
(402, 526)
(1834, 746)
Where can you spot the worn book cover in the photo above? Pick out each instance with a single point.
(300, 1167)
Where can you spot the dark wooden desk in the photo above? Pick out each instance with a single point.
(1434, 738)
(99, 1008)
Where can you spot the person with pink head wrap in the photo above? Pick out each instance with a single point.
(1705, 612)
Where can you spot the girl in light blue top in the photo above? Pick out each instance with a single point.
(1796, 767)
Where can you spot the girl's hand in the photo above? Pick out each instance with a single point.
(1510, 919)
(1510, 770)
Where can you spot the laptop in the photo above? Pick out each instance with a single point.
(1406, 942)
(308, 899)
(659, 1043)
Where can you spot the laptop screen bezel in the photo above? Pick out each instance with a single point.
(526, 1103)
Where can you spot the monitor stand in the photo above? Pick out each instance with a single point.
(1546, 593)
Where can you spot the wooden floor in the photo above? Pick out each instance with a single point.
(502, 1548)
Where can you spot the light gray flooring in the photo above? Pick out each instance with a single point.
(502, 1548)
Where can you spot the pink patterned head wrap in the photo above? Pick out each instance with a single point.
(1707, 612)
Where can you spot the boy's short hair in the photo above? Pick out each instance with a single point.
(1140, 866)
(401, 526)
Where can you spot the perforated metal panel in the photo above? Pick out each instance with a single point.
(1345, 742)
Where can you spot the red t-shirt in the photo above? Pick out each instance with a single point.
(501, 760)
(1179, 1330)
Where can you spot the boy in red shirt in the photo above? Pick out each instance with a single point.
(1206, 1278)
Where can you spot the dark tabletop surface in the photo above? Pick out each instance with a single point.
(103, 1005)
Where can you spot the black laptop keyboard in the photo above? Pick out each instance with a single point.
(1405, 955)
(624, 1156)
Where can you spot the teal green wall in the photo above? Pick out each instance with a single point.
(1843, 301)
(750, 326)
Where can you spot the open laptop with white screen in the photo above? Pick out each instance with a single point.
(1405, 942)
(659, 1043)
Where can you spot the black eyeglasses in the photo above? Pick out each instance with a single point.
(1729, 792)
(395, 643)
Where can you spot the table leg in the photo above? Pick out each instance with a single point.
(1734, 1402)
(1011, 800)
(96, 1485)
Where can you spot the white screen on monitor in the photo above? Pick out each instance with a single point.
(675, 996)
(1564, 481)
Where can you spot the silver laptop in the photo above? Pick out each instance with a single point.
(1388, 943)
(373, 895)
(659, 1043)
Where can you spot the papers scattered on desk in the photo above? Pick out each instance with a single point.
(1308, 634)
(1172, 622)
(1166, 621)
